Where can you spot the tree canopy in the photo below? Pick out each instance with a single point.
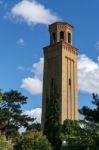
(11, 115)
(91, 117)
(32, 140)
(36, 126)
(92, 114)
(78, 134)
(5, 144)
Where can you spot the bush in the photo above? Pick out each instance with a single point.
(4, 144)
(32, 140)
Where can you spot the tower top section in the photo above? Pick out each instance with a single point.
(61, 23)
(61, 31)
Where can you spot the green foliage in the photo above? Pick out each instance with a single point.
(92, 124)
(36, 126)
(11, 117)
(4, 144)
(32, 140)
(92, 114)
(79, 134)
(71, 131)
(92, 131)
(52, 126)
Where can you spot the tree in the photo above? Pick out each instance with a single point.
(70, 131)
(91, 114)
(36, 126)
(52, 126)
(92, 131)
(11, 117)
(77, 134)
(32, 140)
(4, 144)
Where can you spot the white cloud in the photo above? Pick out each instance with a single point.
(34, 84)
(21, 68)
(21, 41)
(38, 69)
(34, 113)
(88, 75)
(26, 69)
(33, 12)
(97, 45)
(22, 130)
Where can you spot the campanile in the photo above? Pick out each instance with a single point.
(60, 66)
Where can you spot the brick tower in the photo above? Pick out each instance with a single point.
(60, 66)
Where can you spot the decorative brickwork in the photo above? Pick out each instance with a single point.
(60, 64)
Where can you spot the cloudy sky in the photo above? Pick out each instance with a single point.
(24, 33)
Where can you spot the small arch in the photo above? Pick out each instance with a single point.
(69, 37)
(53, 37)
(61, 35)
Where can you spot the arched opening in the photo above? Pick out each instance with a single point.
(69, 38)
(53, 37)
(61, 35)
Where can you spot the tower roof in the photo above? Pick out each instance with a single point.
(61, 23)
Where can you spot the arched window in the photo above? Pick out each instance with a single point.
(61, 35)
(69, 38)
(53, 37)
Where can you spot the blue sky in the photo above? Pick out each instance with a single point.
(24, 33)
